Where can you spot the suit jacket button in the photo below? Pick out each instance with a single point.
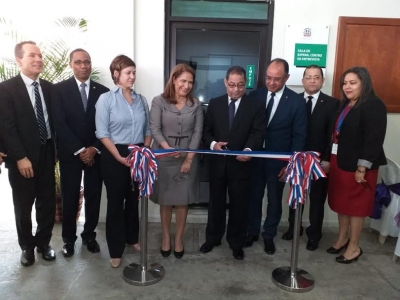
(178, 132)
(179, 123)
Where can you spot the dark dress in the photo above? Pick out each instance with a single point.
(346, 196)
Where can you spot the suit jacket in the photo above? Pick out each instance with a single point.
(287, 130)
(320, 125)
(362, 135)
(21, 130)
(247, 132)
(75, 128)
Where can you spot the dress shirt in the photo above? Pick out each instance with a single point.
(31, 92)
(120, 121)
(87, 87)
(314, 99)
(236, 108)
(277, 98)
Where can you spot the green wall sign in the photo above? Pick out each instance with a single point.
(251, 70)
(310, 54)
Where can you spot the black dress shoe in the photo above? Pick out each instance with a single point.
(269, 246)
(68, 249)
(165, 253)
(332, 250)
(250, 239)
(92, 245)
(312, 245)
(207, 247)
(288, 235)
(47, 252)
(343, 260)
(238, 253)
(27, 258)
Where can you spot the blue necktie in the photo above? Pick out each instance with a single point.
(83, 96)
(269, 108)
(231, 112)
(40, 115)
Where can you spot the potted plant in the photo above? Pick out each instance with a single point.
(55, 69)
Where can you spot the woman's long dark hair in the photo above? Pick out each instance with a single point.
(367, 90)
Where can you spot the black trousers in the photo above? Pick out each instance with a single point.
(238, 192)
(122, 221)
(71, 177)
(319, 191)
(39, 190)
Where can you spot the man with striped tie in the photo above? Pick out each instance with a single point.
(28, 138)
(78, 149)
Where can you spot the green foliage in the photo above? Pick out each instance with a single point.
(55, 53)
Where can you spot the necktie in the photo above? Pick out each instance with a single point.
(269, 108)
(40, 114)
(83, 96)
(231, 111)
(309, 105)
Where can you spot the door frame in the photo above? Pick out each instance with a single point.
(265, 27)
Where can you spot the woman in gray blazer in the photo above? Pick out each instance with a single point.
(176, 121)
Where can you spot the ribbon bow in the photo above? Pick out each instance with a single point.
(382, 197)
(143, 168)
(302, 167)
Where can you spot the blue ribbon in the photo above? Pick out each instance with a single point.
(383, 198)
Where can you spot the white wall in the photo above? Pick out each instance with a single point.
(149, 49)
(136, 28)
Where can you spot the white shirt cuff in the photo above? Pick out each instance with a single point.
(79, 151)
(212, 145)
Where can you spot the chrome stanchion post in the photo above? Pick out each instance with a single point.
(136, 274)
(291, 278)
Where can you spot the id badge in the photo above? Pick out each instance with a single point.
(334, 148)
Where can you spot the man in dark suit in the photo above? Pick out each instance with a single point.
(233, 122)
(285, 131)
(321, 110)
(74, 110)
(28, 138)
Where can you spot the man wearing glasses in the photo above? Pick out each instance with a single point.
(285, 131)
(321, 110)
(233, 122)
(74, 102)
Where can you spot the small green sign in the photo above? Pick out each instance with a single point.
(310, 54)
(251, 70)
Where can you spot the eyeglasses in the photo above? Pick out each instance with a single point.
(274, 79)
(80, 62)
(239, 85)
(312, 78)
(181, 176)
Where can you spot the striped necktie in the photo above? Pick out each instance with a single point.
(40, 115)
(83, 96)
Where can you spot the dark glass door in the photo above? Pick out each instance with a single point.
(211, 49)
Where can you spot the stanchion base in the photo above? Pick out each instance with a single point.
(133, 274)
(301, 282)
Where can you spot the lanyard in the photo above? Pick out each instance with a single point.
(341, 118)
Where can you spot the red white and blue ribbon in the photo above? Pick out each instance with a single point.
(143, 168)
(302, 167)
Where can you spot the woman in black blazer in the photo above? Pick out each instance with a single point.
(357, 153)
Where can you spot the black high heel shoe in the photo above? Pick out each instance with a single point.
(343, 260)
(179, 254)
(165, 253)
(332, 250)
